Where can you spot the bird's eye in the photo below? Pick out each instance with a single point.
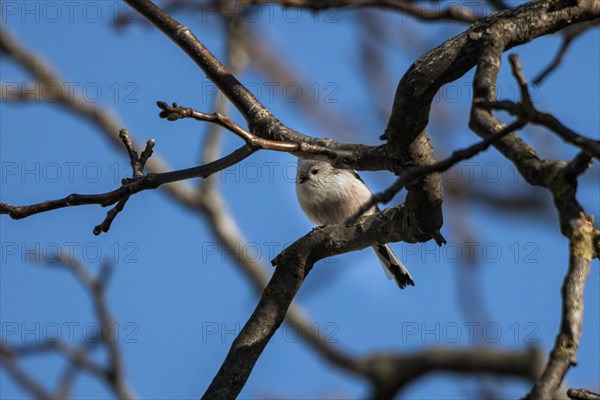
(314, 171)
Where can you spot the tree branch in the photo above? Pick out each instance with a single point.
(549, 121)
(175, 112)
(113, 374)
(563, 355)
(137, 167)
(568, 35)
(582, 394)
(452, 12)
(410, 174)
(149, 181)
(261, 121)
(526, 111)
(394, 372)
(293, 265)
(19, 375)
(560, 178)
(96, 115)
(408, 141)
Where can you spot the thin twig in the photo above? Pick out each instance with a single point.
(18, 374)
(409, 175)
(568, 35)
(175, 112)
(96, 115)
(149, 181)
(452, 12)
(138, 163)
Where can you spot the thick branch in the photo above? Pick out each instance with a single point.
(560, 178)
(293, 265)
(409, 143)
(449, 61)
(394, 372)
(485, 40)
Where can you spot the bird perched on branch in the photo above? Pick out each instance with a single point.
(329, 195)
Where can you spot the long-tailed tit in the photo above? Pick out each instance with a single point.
(329, 195)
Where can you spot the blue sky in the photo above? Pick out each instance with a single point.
(179, 299)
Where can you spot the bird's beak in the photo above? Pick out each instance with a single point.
(302, 179)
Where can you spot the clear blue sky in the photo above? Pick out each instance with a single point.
(179, 299)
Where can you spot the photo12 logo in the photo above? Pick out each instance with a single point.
(213, 251)
(53, 92)
(62, 172)
(66, 12)
(275, 92)
(226, 332)
(491, 252)
(468, 332)
(253, 172)
(54, 252)
(68, 332)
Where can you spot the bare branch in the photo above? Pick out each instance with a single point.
(526, 111)
(566, 134)
(149, 181)
(137, 167)
(293, 265)
(78, 357)
(297, 260)
(582, 394)
(568, 35)
(563, 354)
(517, 72)
(453, 12)
(549, 121)
(96, 115)
(207, 202)
(26, 382)
(556, 176)
(175, 112)
(408, 141)
(114, 374)
(456, 56)
(66, 382)
(410, 174)
(110, 216)
(559, 177)
(260, 120)
(394, 372)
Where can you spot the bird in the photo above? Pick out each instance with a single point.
(330, 195)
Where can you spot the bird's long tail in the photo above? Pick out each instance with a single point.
(392, 266)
